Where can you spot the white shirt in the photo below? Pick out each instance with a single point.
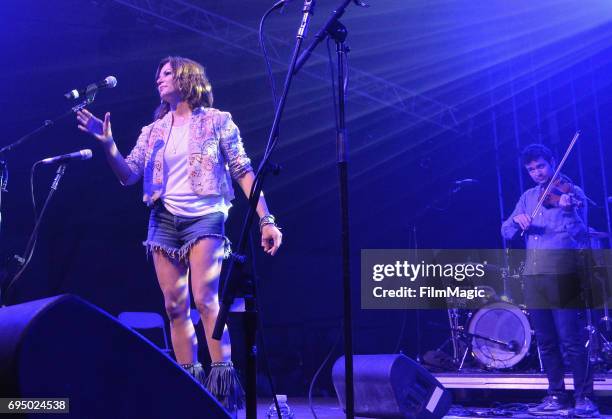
(177, 195)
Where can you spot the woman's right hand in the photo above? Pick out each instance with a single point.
(90, 124)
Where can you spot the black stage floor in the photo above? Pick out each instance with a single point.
(328, 408)
(475, 395)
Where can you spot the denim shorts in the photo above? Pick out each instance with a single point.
(175, 234)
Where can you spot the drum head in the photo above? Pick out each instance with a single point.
(502, 322)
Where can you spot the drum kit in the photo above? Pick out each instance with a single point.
(499, 336)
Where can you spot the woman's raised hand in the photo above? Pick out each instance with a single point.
(90, 124)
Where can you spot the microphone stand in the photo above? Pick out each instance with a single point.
(338, 32)
(48, 123)
(27, 255)
(231, 286)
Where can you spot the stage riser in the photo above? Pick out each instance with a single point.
(513, 381)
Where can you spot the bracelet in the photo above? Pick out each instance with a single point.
(267, 219)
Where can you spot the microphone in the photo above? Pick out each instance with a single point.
(108, 82)
(77, 155)
(464, 181)
(513, 346)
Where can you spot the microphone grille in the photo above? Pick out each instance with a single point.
(86, 154)
(111, 81)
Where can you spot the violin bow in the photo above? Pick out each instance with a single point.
(554, 177)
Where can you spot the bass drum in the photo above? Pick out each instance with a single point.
(503, 322)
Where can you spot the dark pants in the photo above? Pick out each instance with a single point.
(560, 329)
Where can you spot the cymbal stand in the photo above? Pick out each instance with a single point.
(453, 322)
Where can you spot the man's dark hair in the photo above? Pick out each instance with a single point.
(534, 151)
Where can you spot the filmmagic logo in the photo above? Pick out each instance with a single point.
(430, 292)
(411, 271)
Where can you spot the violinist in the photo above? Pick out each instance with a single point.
(554, 227)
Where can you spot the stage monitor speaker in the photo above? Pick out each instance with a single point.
(392, 386)
(65, 347)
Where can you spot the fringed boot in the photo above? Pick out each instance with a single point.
(196, 372)
(224, 384)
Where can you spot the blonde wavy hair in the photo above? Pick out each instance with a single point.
(190, 78)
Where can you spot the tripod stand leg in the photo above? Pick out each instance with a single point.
(453, 321)
(467, 349)
(540, 358)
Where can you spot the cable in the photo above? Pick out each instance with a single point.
(316, 374)
(32, 189)
(28, 257)
(272, 141)
(262, 45)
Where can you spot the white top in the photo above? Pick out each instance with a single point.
(178, 196)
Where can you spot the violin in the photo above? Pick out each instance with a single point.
(560, 186)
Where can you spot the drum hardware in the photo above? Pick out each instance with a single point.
(598, 343)
(498, 336)
(511, 345)
(453, 320)
(592, 343)
(460, 316)
(500, 322)
(606, 354)
(505, 274)
(456, 342)
(514, 285)
(599, 336)
(605, 324)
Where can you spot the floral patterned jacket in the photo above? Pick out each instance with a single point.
(215, 152)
